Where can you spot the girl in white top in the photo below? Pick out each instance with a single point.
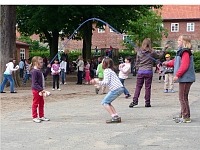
(8, 76)
(116, 89)
(124, 70)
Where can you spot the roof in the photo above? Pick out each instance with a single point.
(180, 12)
(22, 43)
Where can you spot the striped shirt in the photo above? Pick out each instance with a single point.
(110, 79)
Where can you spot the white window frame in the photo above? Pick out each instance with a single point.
(102, 30)
(111, 30)
(174, 27)
(22, 53)
(190, 27)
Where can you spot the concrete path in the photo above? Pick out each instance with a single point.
(78, 123)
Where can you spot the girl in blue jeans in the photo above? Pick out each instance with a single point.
(7, 76)
(116, 89)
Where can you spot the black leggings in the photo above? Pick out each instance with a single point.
(56, 79)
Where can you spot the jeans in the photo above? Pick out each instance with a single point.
(62, 76)
(27, 76)
(112, 95)
(126, 92)
(7, 77)
(141, 78)
(21, 73)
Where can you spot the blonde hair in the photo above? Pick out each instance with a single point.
(186, 41)
(146, 44)
(34, 60)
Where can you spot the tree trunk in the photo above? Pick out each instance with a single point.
(87, 40)
(7, 35)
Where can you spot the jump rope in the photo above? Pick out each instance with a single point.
(97, 19)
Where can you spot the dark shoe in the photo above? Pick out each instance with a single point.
(147, 105)
(3, 92)
(13, 92)
(127, 96)
(96, 90)
(114, 120)
(133, 104)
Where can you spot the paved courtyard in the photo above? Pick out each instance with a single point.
(78, 120)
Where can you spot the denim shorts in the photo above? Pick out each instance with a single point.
(112, 95)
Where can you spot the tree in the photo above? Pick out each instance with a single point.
(8, 35)
(49, 21)
(149, 26)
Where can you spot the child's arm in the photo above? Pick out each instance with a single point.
(47, 70)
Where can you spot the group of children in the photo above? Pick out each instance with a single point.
(183, 73)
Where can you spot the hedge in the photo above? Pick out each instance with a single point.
(74, 55)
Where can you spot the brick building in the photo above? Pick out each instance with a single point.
(182, 19)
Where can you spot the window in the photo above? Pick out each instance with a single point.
(101, 30)
(111, 30)
(22, 53)
(190, 27)
(174, 27)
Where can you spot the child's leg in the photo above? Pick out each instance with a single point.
(57, 81)
(54, 81)
(36, 98)
(41, 106)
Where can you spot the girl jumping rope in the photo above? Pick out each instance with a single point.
(115, 86)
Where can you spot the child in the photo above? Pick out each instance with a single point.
(63, 67)
(161, 72)
(7, 76)
(80, 68)
(87, 72)
(124, 70)
(100, 74)
(169, 84)
(115, 86)
(144, 65)
(37, 86)
(184, 73)
(27, 74)
(55, 71)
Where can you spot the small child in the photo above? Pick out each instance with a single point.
(169, 83)
(27, 74)
(37, 86)
(115, 86)
(161, 72)
(55, 71)
(87, 72)
(63, 66)
(124, 70)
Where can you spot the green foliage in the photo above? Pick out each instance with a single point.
(197, 61)
(147, 26)
(35, 45)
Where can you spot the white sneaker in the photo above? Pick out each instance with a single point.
(59, 89)
(53, 89)
(60, 82)
(44, 119)
(37, 120)
(65, 83)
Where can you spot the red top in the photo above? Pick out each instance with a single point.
(185, 62)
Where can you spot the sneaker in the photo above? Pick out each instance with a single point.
(177, 117)
(133, 104)
(114, 120)
(59, 89)
(37, 120)
(166, 91)
(86, 82)
(172, 91)
(65, 83)
(60, 82)
(183, 120)
(127, 96)
(44, 119)
(53, 89)
(96, 90)
(147, 105)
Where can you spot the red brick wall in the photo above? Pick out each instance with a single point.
(173, 36)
